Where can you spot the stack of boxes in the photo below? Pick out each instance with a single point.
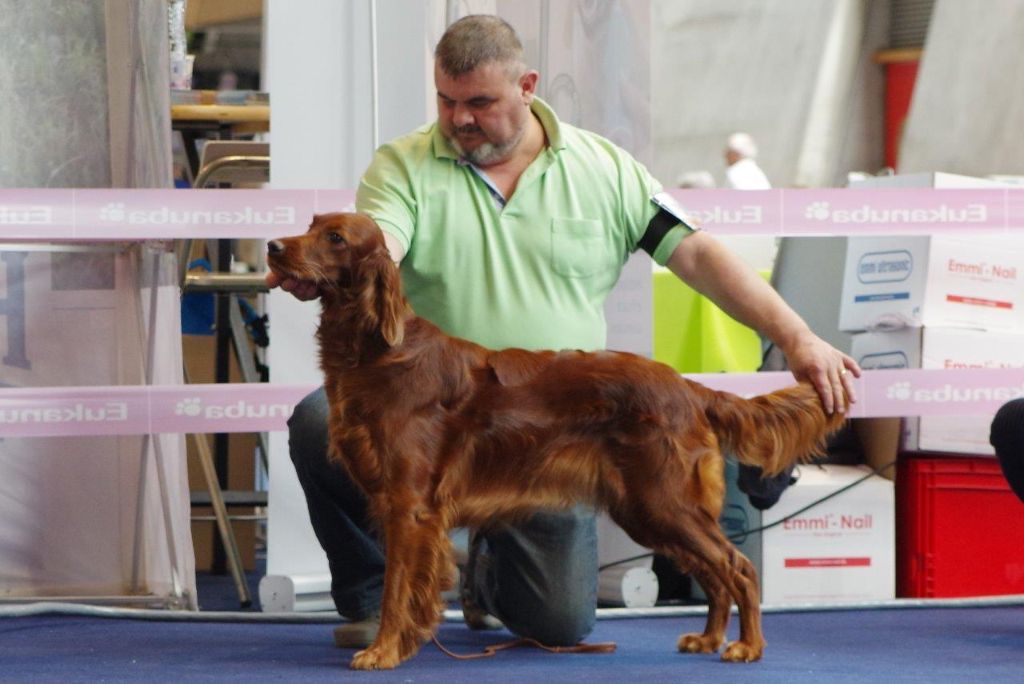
(936, 302)
(942, 302)
(950, 526)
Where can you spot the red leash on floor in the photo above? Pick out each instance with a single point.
(606, 647)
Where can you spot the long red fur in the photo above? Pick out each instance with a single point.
(440, 432)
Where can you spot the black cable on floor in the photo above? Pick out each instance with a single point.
(875, 472)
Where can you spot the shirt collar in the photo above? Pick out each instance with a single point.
(548, 120)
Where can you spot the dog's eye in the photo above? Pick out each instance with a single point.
(335, 239)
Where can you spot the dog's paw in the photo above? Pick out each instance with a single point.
(740, 652)
(374, 659)
(699, 643)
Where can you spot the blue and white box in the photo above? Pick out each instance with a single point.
(894, 282)
(949, 348)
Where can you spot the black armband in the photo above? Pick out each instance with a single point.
(670, 214)
(657, 229)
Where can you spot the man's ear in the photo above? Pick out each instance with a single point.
(528, 85)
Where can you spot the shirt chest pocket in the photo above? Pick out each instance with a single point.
(581, 248)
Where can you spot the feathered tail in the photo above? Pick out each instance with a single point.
(772, 431)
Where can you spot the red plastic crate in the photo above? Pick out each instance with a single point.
(959, 529)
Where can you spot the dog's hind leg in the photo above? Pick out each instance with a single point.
(693, 540)
(737, 575)
(671, 537)
(719, 605)
(748, 598)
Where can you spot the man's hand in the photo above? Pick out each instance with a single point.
(300, 289)
(702, 263)
(828, 369)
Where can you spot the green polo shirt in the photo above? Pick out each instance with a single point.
(531, 274)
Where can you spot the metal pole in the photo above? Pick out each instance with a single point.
(374, 91)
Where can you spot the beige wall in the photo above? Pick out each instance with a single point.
(796, 74)
(968, 105)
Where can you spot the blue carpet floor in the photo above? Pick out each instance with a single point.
(217, 592)
(980, 645)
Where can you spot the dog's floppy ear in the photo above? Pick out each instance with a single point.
(382, 307)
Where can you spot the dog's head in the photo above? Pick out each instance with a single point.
(344, 254)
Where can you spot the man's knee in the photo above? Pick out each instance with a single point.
(560, 623)
(307, 429)
(544, 577)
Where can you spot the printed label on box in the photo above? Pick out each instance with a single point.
(841, 550)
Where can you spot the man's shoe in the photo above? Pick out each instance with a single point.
(476, 617)
(763, 492)
(358, 633)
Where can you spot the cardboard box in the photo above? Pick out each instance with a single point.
(887, 350)
(941, 348)
(959, 529)
(935, 179)
(841, 550)
(972, 281)
(892, 282)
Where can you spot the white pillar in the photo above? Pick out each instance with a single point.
(318, 72)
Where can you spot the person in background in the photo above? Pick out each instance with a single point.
(510, 228)
(742, 171)
(1007, 437)
(227, 80)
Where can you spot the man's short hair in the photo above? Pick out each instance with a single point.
(476, 40)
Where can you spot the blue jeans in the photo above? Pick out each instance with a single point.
(539, 577)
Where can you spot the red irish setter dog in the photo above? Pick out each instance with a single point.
(441, 432)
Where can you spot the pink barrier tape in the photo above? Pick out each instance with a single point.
(895, 393)
(838, 211)
(135, 410)
(138, 410)
(138, 214)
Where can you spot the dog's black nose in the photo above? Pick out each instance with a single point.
(275, 247)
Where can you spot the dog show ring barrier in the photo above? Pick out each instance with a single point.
(32, 216)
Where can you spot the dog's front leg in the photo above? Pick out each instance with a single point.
(386, 651)
(417, 553)
(432, 572)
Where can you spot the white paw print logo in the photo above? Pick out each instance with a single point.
(113, 212)
(899, 390)
(188, 407)
(817, 210)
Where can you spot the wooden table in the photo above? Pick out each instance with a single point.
(227, 122)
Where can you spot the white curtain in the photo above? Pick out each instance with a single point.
(85, 516)
(77, 515)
